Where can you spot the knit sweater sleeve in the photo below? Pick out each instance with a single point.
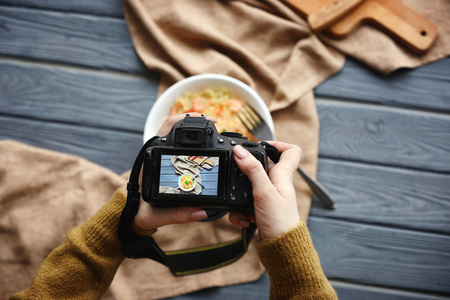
(294, 267)
(83, 266)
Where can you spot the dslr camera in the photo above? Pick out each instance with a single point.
(194, 166)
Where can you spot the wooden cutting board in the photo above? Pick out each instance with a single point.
(341, 17)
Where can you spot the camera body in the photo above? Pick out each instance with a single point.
(194, 166)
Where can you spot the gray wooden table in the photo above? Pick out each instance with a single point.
(70, 81)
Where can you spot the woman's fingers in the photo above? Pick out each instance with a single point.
(288, 163)
(149, 217)
(290, 155)
(239, 219)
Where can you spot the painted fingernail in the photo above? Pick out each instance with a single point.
(240, 152)
(199, 215)
(244, 222)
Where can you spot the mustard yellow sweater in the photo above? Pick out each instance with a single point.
(83, 266)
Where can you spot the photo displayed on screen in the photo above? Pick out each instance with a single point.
(189, 175)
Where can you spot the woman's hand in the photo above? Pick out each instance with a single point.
(150, 217)
(275, 202)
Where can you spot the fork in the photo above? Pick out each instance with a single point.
(256, 125)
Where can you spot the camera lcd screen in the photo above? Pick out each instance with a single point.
(194, 175)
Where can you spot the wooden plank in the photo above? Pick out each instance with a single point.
(349, 291)
(111, 8)
(393, 197)
(76, 96)
(424, 87)
(381, 135)
(382, 256)
(348, 131)
(104, 43)
(259, 290)
(112, 149)
(84, 40)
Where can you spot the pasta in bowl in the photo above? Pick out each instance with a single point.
(216, 102)
(227, 89)
(187, 182)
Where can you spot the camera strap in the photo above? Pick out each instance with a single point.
(180, 262)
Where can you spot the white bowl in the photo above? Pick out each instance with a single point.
(193, 179)
(161, 109)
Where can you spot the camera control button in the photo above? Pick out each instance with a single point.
(232, 142)
(244, 195)
(250, 144)
(209, 131)
(240, 177)
(221, 140)
(232, 197)
(234, 188)
(232, 134)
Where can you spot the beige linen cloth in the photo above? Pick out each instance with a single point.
(44, 194)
